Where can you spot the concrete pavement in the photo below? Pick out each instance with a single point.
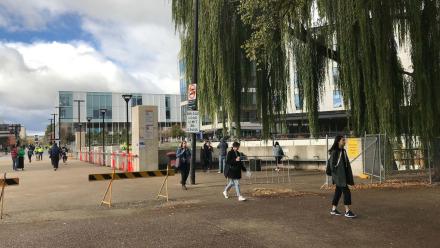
(61, 209)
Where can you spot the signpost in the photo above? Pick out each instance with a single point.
(192, 122)
(192, 97)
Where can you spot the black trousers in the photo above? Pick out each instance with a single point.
(338, 192)
(184, 172)
(55, 162)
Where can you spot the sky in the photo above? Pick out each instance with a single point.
(85, 45)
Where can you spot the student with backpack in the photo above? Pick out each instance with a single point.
(339, 168)
(233, 169)
(278, 153)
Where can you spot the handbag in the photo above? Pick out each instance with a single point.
(176, 165)
(328, 169)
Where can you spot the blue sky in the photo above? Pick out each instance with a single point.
(47, 46)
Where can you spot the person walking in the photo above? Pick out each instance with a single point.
(40, 152)
(233, 169)
(21, 154)
(342, 176)
(30, 153)
(14, 156)
(223, 149)
(64, 151)
(206, 155)
(183, 155)
(278, 153)
(55, 152)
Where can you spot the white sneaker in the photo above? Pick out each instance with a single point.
(241, 198)
(225, 194)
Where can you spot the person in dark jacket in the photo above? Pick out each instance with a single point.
(184, 156)
(233, 169)
(55, 152)
(206, 155)
(30, 153)
(342, 176)
(223, 150)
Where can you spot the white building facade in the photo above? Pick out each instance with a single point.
(72, 114)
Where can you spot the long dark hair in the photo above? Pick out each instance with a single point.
(335, 146)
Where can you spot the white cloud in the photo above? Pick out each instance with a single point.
(31, 75)
(137, 49)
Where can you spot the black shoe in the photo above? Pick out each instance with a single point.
(184, 187)
(335, 212)
(350, 214)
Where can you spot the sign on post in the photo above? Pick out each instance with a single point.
(192, 97)
(192, 122)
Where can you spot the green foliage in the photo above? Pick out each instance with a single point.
(224, 70)
(248, 41)
(177, 132)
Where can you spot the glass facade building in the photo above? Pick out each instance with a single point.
(116, 113)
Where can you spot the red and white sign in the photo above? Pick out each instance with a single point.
(192, 92)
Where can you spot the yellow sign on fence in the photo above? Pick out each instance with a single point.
(353, 147)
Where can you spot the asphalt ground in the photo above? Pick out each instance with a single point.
(61, 209)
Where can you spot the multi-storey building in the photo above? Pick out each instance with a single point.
(115, 116)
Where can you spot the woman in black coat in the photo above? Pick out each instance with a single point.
(342, 176)
(233, 169)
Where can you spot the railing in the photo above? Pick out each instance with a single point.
(266, 169)
(120, 161)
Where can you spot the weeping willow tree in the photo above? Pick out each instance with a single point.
(225, 72)
(364, 37)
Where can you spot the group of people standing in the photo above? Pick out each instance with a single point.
(231, 165)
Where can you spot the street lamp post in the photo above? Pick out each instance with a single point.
(59, 124)
(127, 99)
(195, 76)
(79, 122)
(51, 133)
(89, 119)
(53, 130)
(103, 134)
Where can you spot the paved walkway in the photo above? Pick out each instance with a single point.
(61, 209)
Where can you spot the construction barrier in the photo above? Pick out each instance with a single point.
(119, 161)
(130, 175)
(3, 182)
(9, 181)
(107, 199)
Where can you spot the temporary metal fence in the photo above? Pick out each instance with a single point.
(120, 161)
(411, 163)
(374, 156)
(266, 169)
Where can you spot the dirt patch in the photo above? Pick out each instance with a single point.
(391, 184)
(269, 193)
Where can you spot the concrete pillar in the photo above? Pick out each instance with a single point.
(83, 140)
(145, 138)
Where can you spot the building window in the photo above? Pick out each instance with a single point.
(335, 72)
(298, 102)
(168, 107)
(98, 101)
(66, 101)
(337, 99)
(136, 100)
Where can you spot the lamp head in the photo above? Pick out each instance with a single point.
(89, 119)
(103, 111)
(127, 97)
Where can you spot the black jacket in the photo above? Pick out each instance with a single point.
(342, 174)
(233, 168)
